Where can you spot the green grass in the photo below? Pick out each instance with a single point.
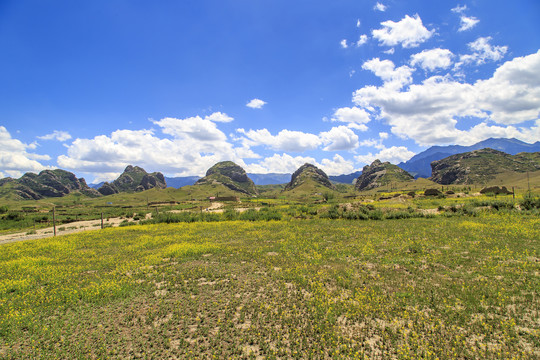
(447, 288)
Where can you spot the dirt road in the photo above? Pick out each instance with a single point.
(63, 229)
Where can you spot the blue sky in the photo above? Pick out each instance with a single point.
(176, 86)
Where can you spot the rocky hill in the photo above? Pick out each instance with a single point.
(134, 179)
(231, 175)
(481, 166)
(420, 164)
(379, 174)
(309, 173)
(48, 183)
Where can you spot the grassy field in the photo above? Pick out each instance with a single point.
(445, 287)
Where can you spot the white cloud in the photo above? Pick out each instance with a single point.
(394, 155)
(379, 7)
(285, 140)
(352, 116)
(219, 117)
(433, 59)
(483, 51)
(256, 104)
(281, 164)
(468, 22)
(339, 138)
(429, 112)
(385, 69)
(287, 164)
(344, 44)
(358, 23)
(409, 32)
(337, 166)
(56, 135)
(459, 9)
(15, 160)
(362, 40)
(390, 51)
(195, 144)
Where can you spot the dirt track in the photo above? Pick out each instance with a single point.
(70, 228)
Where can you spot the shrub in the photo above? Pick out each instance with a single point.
(530, 202)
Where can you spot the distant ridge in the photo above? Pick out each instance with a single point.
(481, 166)
(420, 164)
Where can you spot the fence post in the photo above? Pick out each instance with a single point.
(54, 221)
(102, 220)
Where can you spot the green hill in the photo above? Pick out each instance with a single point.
(134, 179)
(46, 184)
(482, 166)
(309, 176)
(380, 174)
(230, 175)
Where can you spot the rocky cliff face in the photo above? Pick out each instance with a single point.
(230, 175)
(309, 172)
(134, 179)
(379, 174)
(48, 183)
(481, 166)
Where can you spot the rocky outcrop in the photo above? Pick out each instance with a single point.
(231, 175)
(309, 172)
(48, 183)
(379, 174)
(481, 166)
(134, 179)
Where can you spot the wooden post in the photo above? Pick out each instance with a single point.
(102, 220)
(513, 193)
(54, 221)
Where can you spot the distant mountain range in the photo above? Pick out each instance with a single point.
(258, 179)
(420, 164)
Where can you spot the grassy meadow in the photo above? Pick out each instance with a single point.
(444, 287)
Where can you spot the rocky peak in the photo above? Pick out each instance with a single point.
(309, 172)
(230, 175)
(133, 179)
(380, 173)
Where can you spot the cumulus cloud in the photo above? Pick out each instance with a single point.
(394, 155)
(433, 59)
(285, 163)
(190, 146)
(15, 159)
(219, 117)
(429, 112)
(281, 164)
(409, 32)
(339, 138)
(483, 51)
(285, 140)
(337, 166)
(256, 103)
(354, 116)
(56, 135)
(344, 44)
(392, 77)
(379, 7)
(468, 22)
(362, 40)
